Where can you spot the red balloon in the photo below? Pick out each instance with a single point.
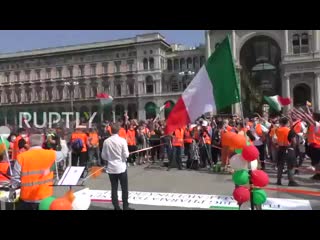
(250, 153)
(61, 204)
(259, 178)
(241, 194)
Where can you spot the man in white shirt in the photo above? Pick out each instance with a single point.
(115, 152)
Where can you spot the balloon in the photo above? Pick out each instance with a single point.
(254, 164)
(250, 153)
(238, 150)
(226, 138)
(259, 196)
(69, 196)
(236, 162)
(81, 202)
(238, 141)
(5, 142)
(259, 178)
(241, 177)
(45, 203)
(241, 194)
(61, 204)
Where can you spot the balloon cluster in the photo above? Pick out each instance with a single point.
(68, 202)
(243, 176)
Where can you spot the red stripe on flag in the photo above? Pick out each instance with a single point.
(284, 101)
(178, 117)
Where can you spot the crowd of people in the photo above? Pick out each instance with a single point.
(282, 140)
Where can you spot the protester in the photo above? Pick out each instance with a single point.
(115, 152)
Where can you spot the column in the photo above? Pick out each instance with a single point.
(160, 86)
(207, 42)
(23, 94)
(87, 90)
(234, 50)
(317, 91)
(316, 40)
(286, 88)
(286, 42)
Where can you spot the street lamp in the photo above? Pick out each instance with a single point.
(71, 84)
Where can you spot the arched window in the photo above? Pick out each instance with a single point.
(169, 106)
(202, 60)
(304, 43)
(296, 43)
(145, 64)
(118, 90)
(149, 84)
(195, 63)
(119, 110)
(182, 64)
(151, 110)
(169, 65)
(176, 65)
(151, 62)
(189, 63)
(174, 84)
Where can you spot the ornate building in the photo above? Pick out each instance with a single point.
(270, 62)
(141, 73)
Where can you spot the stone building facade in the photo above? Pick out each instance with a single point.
(136, 72)
(273, 62)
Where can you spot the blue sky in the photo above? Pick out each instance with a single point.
(20, 40)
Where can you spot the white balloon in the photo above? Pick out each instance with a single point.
(254, 165)
(81, 202)
(237, 162)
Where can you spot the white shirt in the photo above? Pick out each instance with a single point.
(115, 151)
(258, 141)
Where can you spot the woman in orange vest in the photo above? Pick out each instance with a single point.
(205, 146)
(177, 143)
(21, 143)
(93, 147)
(32, 172)
(132, 143)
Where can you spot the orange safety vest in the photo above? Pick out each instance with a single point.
(259, 130)
(282, 136)
(16, 151)
(298, 128)
(310, 134)
(36, 176)
(207, 138)
(122, 133)
(131, 137)
(273, 131)
(81, 136)
(229, 128)
(316, 134)
(196, 133)
(177, 140)
(4, 166)
(187, 136)
(94, 139)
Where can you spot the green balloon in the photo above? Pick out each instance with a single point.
(240, 177)
(259, 196)
(45, 203)
(238, 151)
(6, 142)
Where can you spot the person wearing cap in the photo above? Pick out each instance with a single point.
(33, 173)
(205, 146)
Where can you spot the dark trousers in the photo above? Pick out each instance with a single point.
(216, 155)
(205, 155)
(261, 150)
(81, 157)
(22, 205)
(187, 150)
(114, 179)
(176, 156)
(94, 153)
(286, 155)
(155, 151)
(132, 157)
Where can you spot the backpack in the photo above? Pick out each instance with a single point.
(77, 145)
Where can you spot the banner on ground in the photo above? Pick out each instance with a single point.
(196, 200)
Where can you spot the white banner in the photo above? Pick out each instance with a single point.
(196, 200)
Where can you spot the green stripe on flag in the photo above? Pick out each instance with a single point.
(222, 73)
(223, 208)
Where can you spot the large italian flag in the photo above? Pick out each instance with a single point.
(213, 88)
(277, 102)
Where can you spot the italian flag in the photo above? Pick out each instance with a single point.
(277, 102)
(105, 99)
(213, 88)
